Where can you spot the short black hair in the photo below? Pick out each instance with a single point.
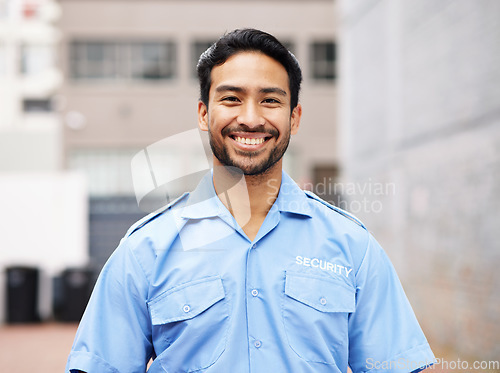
(242, 40)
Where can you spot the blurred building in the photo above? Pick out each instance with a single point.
(130, 81)
(29, 81)
(420, 83)
(43, 214)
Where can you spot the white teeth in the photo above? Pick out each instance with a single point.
(247, 141)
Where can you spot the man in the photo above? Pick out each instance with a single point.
(248, 273)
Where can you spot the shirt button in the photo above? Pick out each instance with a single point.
(322, 301)
(254, 246)
(186, 308)
(255, 292)
(257, 344)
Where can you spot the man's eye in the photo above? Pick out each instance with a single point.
(230, 99)
(271, 101)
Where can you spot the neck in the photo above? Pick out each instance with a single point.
(248, 197)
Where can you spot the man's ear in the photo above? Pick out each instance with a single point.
(202, 116)
(295, 119)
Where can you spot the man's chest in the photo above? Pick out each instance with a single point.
(289, 247)
(281, 292)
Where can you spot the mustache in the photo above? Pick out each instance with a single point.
(242, 128)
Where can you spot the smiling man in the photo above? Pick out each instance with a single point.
(249, 117)
(248, 273)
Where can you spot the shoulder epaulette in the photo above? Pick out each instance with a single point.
(335, 208)
(150, 217)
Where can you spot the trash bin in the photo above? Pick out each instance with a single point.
(22, 294)
(72, 291)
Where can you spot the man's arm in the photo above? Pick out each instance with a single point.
(384, 334)
(115, 332)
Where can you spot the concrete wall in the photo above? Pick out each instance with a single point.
(420, 123)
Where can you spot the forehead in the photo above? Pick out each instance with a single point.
(250, 70)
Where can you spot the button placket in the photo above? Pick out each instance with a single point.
(253, 305)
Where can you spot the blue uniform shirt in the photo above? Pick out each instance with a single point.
(312, 293)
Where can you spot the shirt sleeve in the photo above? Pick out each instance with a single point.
(384, 334)
(114, 334)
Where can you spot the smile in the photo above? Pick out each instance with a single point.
(247, 141)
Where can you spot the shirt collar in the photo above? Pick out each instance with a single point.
(203, 201)
(291, 198)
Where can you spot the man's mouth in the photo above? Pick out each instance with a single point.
(249, 141)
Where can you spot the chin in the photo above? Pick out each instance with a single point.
(261, 169)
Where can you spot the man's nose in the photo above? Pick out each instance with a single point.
(250, 115)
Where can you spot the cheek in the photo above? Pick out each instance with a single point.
(282, 123)
(220, 117)
(277, 117)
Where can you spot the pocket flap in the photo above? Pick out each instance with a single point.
(320, 293)
(186, 301)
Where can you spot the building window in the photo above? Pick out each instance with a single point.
(323, 58)
(107, 170)
(197, 48)
(37, 105)
(37, 59)
(153, 60)
(107, 60)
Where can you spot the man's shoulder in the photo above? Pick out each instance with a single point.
(343, 227)
(155, 218)
(145, 239)
(337, 211)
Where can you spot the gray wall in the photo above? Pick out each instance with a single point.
(420, 123)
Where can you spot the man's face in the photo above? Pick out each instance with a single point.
(248, 116)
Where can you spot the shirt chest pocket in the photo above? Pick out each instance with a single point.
(190, 325)
(315, 317)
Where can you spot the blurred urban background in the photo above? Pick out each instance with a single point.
(401, 127)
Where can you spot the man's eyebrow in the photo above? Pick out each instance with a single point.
(232, 88)
(273, 90)
(225, 88)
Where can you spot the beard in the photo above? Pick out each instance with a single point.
(247, 161)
